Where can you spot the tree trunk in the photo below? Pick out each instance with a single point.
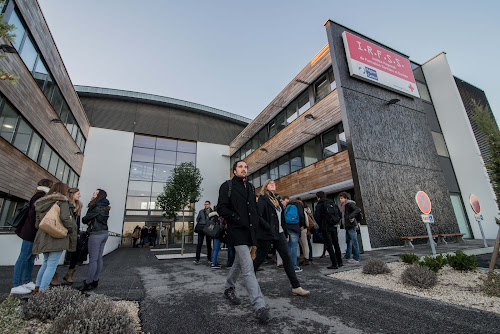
(494, 256)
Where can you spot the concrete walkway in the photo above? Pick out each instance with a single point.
(178, 296)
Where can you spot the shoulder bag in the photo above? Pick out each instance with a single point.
(213, 228)
(51, 223)
(20, 216)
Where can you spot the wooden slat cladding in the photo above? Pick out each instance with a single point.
(311, 72)
(326, 172)
(326, 114)
(35, 21)
(20, 175)
(29, 100)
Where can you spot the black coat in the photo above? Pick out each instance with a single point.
(97, 218)
(239, 211)
(320, 213)
(350, 212)
(302, 218)
(269, 223)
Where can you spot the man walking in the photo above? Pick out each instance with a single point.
(202, 220)
(327, 215)
(349, 213)
(237, 206)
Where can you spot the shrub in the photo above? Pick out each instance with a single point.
(421, 277)
(95, 314)
(48, 304)
(409, 258)
(375, 267)
(433, 263)
(491, 284)
(10, 318)
(462, 261)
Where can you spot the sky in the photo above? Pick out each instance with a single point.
(238, 55)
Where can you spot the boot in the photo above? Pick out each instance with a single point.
(55, 281)
(94, 284)
(69, 276)
(35, 290)
(86, 287)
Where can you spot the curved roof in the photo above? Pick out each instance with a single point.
(163, 100)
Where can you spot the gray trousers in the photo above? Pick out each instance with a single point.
(243, 263)
(96, 249)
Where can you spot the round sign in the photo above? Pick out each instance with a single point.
(423, 202)
(474, 202)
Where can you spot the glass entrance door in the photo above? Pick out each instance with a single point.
(463, 224)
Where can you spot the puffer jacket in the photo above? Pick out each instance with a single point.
(97, 218)
(43, 241)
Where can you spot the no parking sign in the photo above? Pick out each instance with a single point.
(474, 203)
(423, 202)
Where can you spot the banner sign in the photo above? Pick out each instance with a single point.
(377, 65)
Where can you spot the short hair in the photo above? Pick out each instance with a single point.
(207, 202)
(285, 197)
(320, 194)
(236, 164)
(345, 195)
(45, 183)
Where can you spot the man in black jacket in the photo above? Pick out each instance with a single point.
(349, 213)
(237, 206)
(202, 220)
(328, 227)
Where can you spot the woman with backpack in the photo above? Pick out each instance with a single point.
(273, 230)
(295, 223)
(97, 220)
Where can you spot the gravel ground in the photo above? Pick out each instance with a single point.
(455, 287)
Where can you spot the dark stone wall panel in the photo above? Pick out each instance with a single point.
(389, 201)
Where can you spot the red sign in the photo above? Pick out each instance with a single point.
(474, 202)
(423, 202)
(375, 64)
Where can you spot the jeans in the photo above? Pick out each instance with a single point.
(96, 249)
(230, 255)
(153, 241)
(263, 247)
(202, 236)
(48, 269)
(144, 241)
(215, 251)
(23, 270)
(292, 248)
(243, 263)
(351, 239)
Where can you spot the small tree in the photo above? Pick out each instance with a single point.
(6, 33)
(181, 189)
(487, 124)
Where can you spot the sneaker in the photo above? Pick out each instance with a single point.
(298, 270)
(340, 265)
(216, 266)
(30, 286)
(262, 315)
(281, 266)
(20, 290)
(352, 261)
(196, 261)
(332, 267)
(231, 295)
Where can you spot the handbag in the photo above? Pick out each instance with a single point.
(51, 223)
(318, 238)
(20, 216)
(82, 246)
(213, 228)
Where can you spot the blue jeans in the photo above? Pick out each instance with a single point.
(23, 270)
(215, 251)
(230, 255)
(292, 247)
(48, 269)
(351, 239)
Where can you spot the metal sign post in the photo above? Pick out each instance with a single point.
(428, 220)
(424, 204)
(479, 219)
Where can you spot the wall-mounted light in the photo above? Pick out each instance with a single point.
(264, 150)
(78, 153)
(309, 116)
(393, 101)
(56, 120)
(7, 48)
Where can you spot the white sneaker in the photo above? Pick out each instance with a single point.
(20, 290)
(30, 286)
(352, 261)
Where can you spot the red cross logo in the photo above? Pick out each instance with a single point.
(411, 88)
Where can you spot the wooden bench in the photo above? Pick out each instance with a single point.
(408, 240)
(458, 235)
(441, 238)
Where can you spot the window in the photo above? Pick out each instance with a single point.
(36, 143)
(185, 157)
(256, 179)
(64, 113)
(23, 136)
(291, 113)
(18, 30)
(280, 121)
(272, 128)
(60, 170)
(40, 74)
(310, 155)
(47, 152)
(186, 146)
(138, 203)
(156, 189)
(56, 101)
(54, 160)
(246, 149)
(273, 171)
(263, 175)
(166, 144)
(424, 92)
(303, 102)
(321, 89)
(342, 139)
(71, 126)
(330, 146)
(29, 54)
(141, 171)
(8, 122)
(165, 157)
(331, 79)
(296, 160)
(284, 166)
(139, 188)
(143, 154)
(440, 144)
(162, 172)
(144, 141)
(49, 87)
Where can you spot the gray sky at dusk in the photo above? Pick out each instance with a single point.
(238, 55)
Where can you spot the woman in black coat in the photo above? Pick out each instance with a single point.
(272, 230)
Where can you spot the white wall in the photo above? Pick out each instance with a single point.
(106, 166)
(214, 168)
(461, 143)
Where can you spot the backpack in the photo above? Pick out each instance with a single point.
(332, 213)
(20, 216)
(291, 214)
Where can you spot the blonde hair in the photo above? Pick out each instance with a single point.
(78, 205)
(263, 189)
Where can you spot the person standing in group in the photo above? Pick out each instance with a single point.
(272, 230)
(135, 236)
(202, 220)
(52, 248)
(23, 269)
(76, 207)
(97, 220)
(144, 236)
(327, 215)
(303, 236)
(279, 260)
(349, 212)
(237, 206)
(217, 240)
(153, 235)
(295, 222)
(309, 231)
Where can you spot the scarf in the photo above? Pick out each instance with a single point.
(274, 199)
(42, 188)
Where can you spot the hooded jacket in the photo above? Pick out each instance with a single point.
(97, 218)
(350, 211)
(43, 241)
